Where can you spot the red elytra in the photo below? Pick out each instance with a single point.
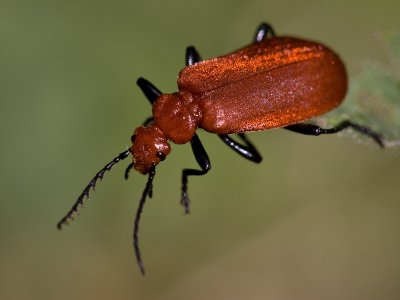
(273, 82)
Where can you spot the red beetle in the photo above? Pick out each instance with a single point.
(273, 82)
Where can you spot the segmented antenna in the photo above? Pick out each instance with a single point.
(146, 192)
(91, 185)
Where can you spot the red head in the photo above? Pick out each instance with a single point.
(150, 146)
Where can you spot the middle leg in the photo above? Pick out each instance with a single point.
(248, 150)
(204, 162)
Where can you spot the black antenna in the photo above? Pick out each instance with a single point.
(91, 185)
(146, 192)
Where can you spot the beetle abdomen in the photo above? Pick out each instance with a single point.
(277, 98)
(274, 90)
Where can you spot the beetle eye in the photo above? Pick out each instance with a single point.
(160, 155)
(133, 138)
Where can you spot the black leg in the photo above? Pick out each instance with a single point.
(192, 56)
(204, 162)
(263, 31)
(151, 93)
(127, 170)
(148, 89)
(311, 129)
(148, 121)
(248, 150)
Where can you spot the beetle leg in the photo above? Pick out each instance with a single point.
(148, 89)
(248, 150)
(311, 129)
(204, 162)
(192, 56)
(151, 93)
(263, 31)
(148, 121)
(127, 170)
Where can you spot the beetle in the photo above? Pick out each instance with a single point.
(275, 82)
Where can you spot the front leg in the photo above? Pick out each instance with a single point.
(204, 162)
(149, 90)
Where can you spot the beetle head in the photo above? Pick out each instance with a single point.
(149, 147)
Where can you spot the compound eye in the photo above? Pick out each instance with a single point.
(160, 155)
(133, 137)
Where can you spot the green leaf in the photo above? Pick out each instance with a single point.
(373, 98)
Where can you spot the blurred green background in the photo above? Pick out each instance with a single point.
(318, 219)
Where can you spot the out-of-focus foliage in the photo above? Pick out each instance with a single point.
(374, 94)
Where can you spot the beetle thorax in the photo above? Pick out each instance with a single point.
(150, 146)
(173, 115)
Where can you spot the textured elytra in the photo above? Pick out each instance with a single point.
(273, 83)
